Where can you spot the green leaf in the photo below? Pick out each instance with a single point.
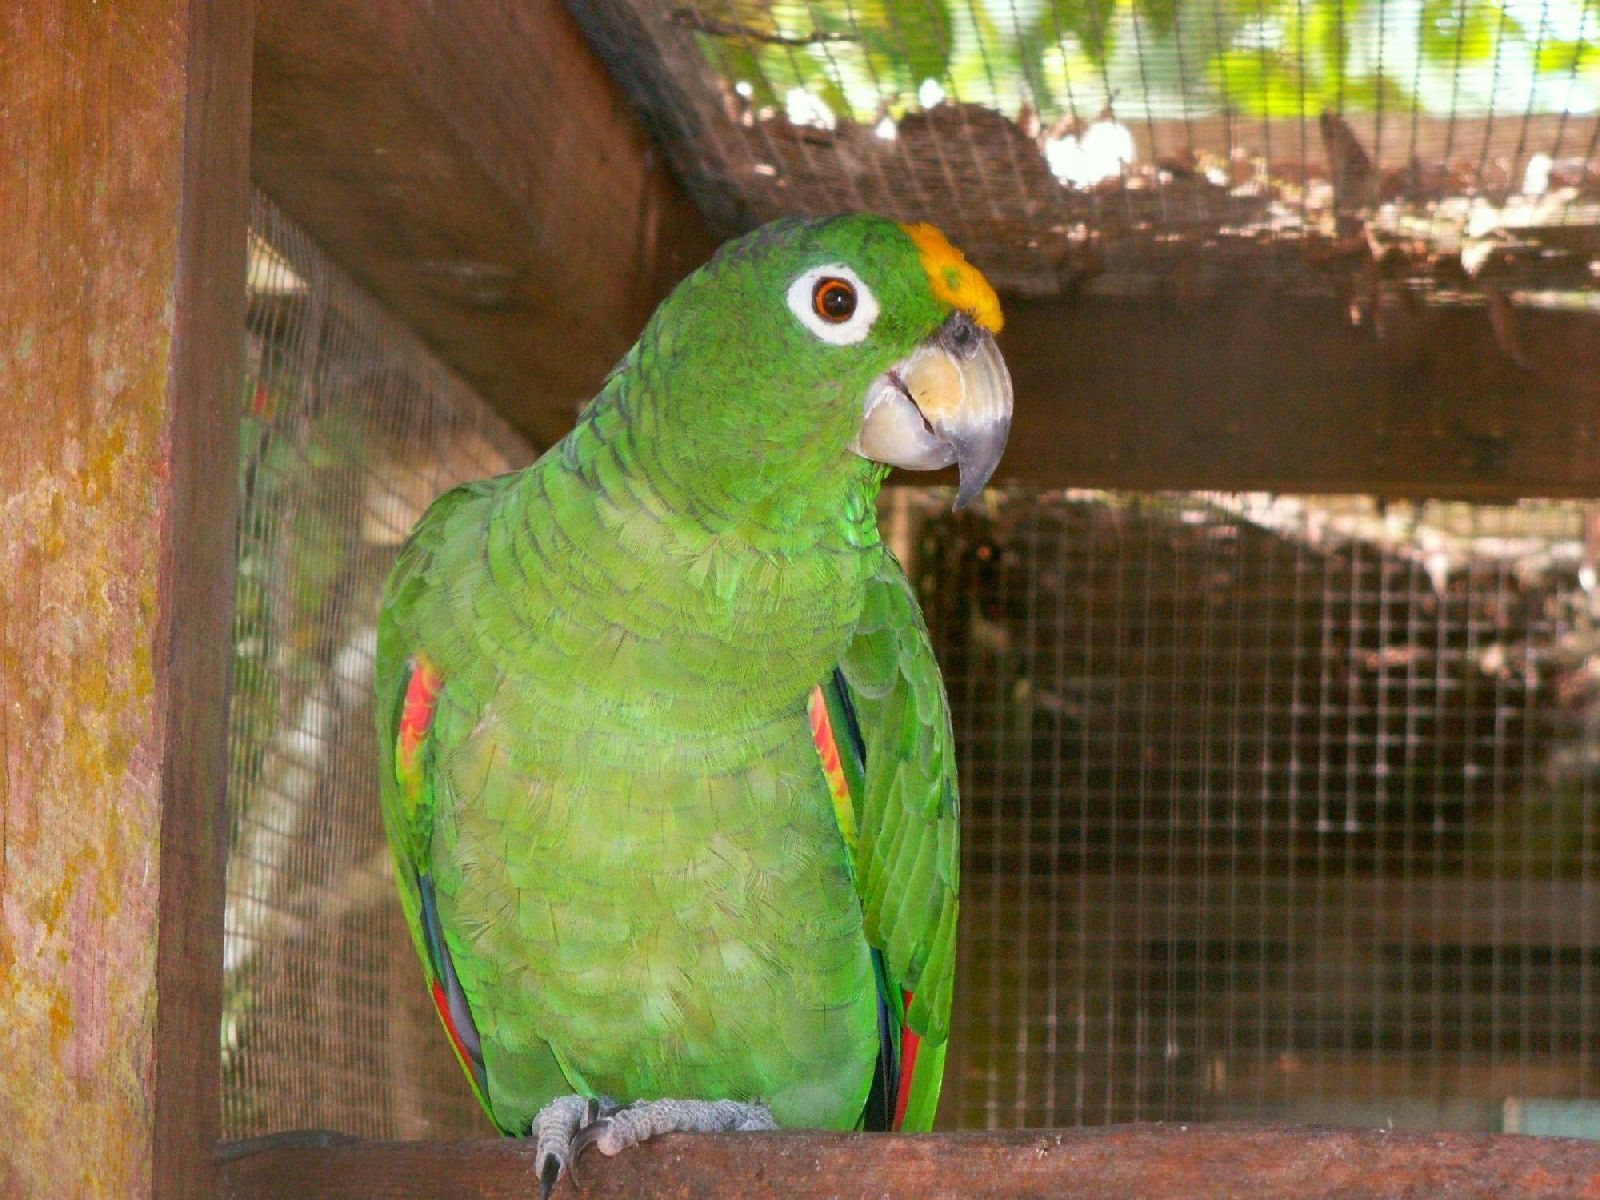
(1567, 58)
(735, 62)
(826, 88)
(1161, 15)
(923, 30)
(907, 40)
(1367, 93)
(1030, 60)
(1088, 21)
(1458, 30)
(1257, 84)
(1332, 20)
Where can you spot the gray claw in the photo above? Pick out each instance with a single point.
(592, 1131)
(597, 1115)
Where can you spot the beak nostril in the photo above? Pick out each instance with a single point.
(960, 335)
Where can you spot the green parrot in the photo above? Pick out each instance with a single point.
(666, 758)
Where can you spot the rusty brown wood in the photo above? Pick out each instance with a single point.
(1130, 1162)
(1501, 146)
(1262, 392)
(481, 175)
(123, 183)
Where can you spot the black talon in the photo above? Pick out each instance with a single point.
(548, 1174)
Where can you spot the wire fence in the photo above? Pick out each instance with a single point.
(1275, 808)
(349, 429)
(1446, 148)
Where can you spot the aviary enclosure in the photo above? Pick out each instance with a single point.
(1274, 654)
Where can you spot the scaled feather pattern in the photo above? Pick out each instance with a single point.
(666, 758)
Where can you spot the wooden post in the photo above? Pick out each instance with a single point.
(123, 190)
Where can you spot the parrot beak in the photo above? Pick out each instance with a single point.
(948, 402)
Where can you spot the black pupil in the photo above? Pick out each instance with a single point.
(836, 300)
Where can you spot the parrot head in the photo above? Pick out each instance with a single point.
(836, 346)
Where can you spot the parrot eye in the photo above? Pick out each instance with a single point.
(833, 303)
(834, 300)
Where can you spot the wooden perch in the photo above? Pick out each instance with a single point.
(1131, 1162)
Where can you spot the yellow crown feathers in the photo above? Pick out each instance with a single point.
(956, 281)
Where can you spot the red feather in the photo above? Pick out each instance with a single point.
(442, 1003)
(416, 714)
(909, 1043)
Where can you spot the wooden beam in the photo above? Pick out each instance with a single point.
(1131, 1162)
(481, 175)
(1500, 143)
(1275, 393)
(123, 177)
(1331, 912)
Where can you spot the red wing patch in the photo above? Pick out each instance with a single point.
(909, 1042)
(442, 1003)
(832, 769)
(416, 716)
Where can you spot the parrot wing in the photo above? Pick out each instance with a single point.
(410, 686)
(881, 724)
(882, 727)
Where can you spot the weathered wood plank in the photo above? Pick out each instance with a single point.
(1132, 1162)
(194, 631)
(1265, 392)
(1501, 144)
(482, 176)
(1333, 911)
(123, 180)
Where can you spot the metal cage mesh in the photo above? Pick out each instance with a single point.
(349, 429)
(1275, 807)
(1441, 149)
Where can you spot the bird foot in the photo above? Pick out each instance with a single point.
(569, 1125)
(553, 1132)
(628, 1126)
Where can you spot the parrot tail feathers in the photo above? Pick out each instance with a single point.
(906, 1078)
(448, 997)
(920, 1079)
(910, 1064)
(409, 806)
(879, 1114)
(910, 1044)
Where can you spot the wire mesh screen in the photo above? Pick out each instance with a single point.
(349, 429)
(1275, 807)
(1445, 147)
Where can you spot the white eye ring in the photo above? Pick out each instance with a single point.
(836, 333)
